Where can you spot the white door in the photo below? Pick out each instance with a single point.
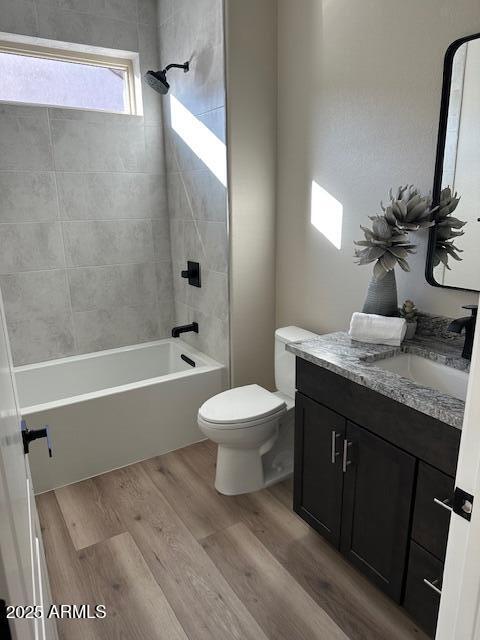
(459, 617)
(23, 578)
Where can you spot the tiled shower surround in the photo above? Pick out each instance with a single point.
(193, 30)
(84, 240)
(85, 250)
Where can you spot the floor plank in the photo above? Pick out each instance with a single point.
(283, 609)
(118, 576)
(363, 612)
(283, 491)
(166, 513)
(197, 503)
(201, 598)
(88, 518)
(202, 457)
(112, 573)
(360, 609)
(64, 569)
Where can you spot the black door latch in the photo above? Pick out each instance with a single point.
(29, 435)
(4, 626)
(463, 504)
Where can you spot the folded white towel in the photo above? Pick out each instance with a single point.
(374, 329)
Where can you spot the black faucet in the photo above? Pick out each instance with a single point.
(469, 323)
(176, 331)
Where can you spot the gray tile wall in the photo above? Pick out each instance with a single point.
(85, 260)
(193, 30)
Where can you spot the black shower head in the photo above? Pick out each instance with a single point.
(158, 79)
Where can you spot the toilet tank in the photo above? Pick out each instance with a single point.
(284, 360)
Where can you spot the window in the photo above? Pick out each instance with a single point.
(42, 75)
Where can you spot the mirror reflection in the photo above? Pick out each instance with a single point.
(456, 259)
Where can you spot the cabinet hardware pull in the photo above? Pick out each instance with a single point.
(433, 585)
(443, 503)
(335, 453)
(346, 462)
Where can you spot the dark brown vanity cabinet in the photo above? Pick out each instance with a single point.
(374, 477)
(356, 490)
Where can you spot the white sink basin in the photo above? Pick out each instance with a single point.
(428, 373)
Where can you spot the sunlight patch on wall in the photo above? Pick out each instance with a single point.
(203, 142)
(326, 215)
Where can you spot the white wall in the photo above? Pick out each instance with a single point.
(251, 139)
(358, 105)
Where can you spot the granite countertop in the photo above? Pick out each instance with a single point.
(338, 353)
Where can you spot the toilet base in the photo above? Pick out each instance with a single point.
(238, 471)
(243, 472)
(248, 470)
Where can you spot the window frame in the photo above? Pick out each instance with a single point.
(125, 61)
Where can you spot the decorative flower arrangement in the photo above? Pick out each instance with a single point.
(447, 229)
(387, 243)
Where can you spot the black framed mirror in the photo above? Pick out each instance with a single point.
(453, 259)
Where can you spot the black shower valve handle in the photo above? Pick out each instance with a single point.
(192, 273)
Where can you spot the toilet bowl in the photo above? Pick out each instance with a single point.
(253, 427)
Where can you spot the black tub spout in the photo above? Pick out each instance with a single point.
(186, 328)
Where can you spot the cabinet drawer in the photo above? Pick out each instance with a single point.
(431, 521)
(422, 601)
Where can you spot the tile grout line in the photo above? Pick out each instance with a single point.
(98, 171)
(160, 322)
(166, 191)
(67, 279)
(87, 220)
(87, 266)
(37, 22)
(193, 219)
(173, 150)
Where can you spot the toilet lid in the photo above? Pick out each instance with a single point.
(240, 405)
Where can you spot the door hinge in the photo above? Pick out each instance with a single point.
(462, 503)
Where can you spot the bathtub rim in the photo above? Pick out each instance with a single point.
(208, 364)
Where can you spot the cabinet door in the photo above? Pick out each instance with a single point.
(377, 499)
(318, 476)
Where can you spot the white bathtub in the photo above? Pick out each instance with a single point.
(111, 408)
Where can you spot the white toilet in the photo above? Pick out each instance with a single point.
(254, 427)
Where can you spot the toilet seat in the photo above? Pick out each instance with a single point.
(239, 426)
(241, 408)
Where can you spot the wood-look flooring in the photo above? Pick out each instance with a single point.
(172, 559)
